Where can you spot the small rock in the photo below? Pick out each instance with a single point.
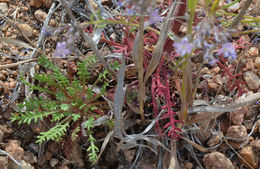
(239, 132)
(54, 162)
(47, 3)
(52, 23)
(27, 30)
(34, 148)
(257, 63)
(48, 155)
(249, 156)
(35, 3)
(215, 70)
(256, 145)
(237, 117)
(253, 51)
(14, 149)
(214, 139)
(40, 15)
(218, 79)
(12, 84)
(212, 86)
(252, 80)
(64, 167)
(29, 157)
(129, 154)
(2, 77)
(249, 65)
(4, 72)
(23, 165)
(188, 165)
(5, 129)
(3, 8)
(3, 162)
(52, 147)
(4, 0)
(234, 7)
(205, 70)
(6, 85)
(217, 160)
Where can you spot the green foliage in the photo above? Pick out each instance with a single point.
(92, 148)
(65, 103)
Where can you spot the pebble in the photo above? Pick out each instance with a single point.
(249, 65)
(47, 3)
(237, 131)
(257, 63)
(27, 30)
(6, 85)
(35, 3)
(40, 15)
(3, 8)
(64, 167)
(217, 160)
(205, 70)
(237, 117)
(256, 145)
(215, 70)
(188, 165)
(14, 149)
(252, 80)
(12, 84)
(253, 51)
(3, 162)
(2, 77)
(53, 162)
(214, 139)
(212, 86)
(4, 72)
(23, 165)
(4, 0)
(249, 156)
(29, 157)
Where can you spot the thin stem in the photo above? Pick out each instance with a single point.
(141, 70)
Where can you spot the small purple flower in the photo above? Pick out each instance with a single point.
(154, 17)
(228, 50)
(61, 50)
(183, 47)
(130, 12)
(120, 3)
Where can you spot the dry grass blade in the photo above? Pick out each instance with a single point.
(119, 101)
(104, 144)
(212, 112)
(141, 69)
(197, 146)
(16, 42)
(158, 51)
(7, 66)
(202, 117)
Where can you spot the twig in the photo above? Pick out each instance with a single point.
(4, 152)
(240, 15)
(15, 64)
(87, 38)
(45, 24)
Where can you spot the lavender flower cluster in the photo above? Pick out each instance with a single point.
(142, 7)
(207, 37)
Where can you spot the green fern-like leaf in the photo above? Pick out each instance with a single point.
(55, 133)
(28, 117)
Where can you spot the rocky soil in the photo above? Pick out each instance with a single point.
(233, 141)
